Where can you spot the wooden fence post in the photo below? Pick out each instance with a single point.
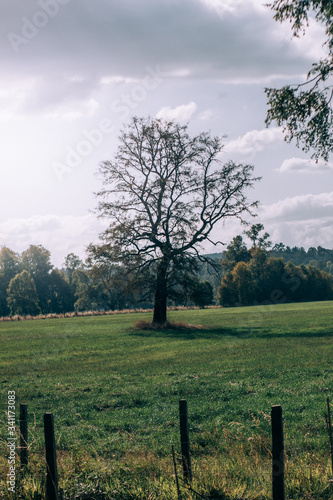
(329, 428)
(51, 458)
(184, 440)
(23, 434)
(277, 453)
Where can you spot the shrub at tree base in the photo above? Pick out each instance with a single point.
(146, 325)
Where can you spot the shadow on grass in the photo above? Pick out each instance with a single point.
(310, 333)
(194, 332)
(191, 332)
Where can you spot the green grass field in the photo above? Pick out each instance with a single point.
(114, 392)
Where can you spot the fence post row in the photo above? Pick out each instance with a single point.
(23, 434)
(277, 448)
(51, 458)
(184, 440)
(277, 453)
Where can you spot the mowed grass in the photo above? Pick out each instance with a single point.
(114, 392)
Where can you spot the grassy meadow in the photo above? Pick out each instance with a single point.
(114, 392)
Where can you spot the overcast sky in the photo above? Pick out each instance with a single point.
(73, 71)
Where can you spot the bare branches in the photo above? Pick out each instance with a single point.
(164, 191)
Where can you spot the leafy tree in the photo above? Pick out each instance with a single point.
(294, 280)
(83, 293)
(319, 285)
(244, 284)
(61, 294)
(164, 193)
(329, 267)
(258, 267)
(112, 288)
(202, 294)
(36, 261)
(266, 279)
(226, 293)
(305, 109)
(22, 295)
(9, 267)
(254, 235)
(71, 263)
(236, 252)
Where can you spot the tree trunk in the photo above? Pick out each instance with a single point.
(161, 294)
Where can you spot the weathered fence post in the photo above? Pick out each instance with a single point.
(23, 434)
(329, 428)
(51, 458)
(184, 440)
(176, 475)
(277, 453)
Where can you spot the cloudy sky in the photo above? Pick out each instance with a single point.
(73, 71)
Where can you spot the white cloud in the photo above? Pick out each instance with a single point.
(181, 113)
(60, 235)
(233, 6)
(117, 79)
(75, 112)
(305, 166)
(206, 115)
(307, 207)
(303, 221)
(254, 141)
(302, 234)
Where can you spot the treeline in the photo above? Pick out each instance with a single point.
(31, 285)
(316, 257)
(259, 275)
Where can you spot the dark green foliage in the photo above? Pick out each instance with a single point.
(258, 240)
(202, 293)
(61, 296)
(265, 279)
(305, 110)
(280, 274)
(103, 285)
(36, 261)
(55, 294)
(236, 252)
(9, 267)
(317, 257)
(72, 262)
(22, 295)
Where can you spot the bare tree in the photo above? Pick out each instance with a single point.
(163, 193)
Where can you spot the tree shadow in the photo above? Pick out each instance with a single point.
(309, 333)
(192, 333)
(197, 332)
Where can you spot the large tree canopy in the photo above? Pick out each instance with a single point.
(164, 191)
(305, 110)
